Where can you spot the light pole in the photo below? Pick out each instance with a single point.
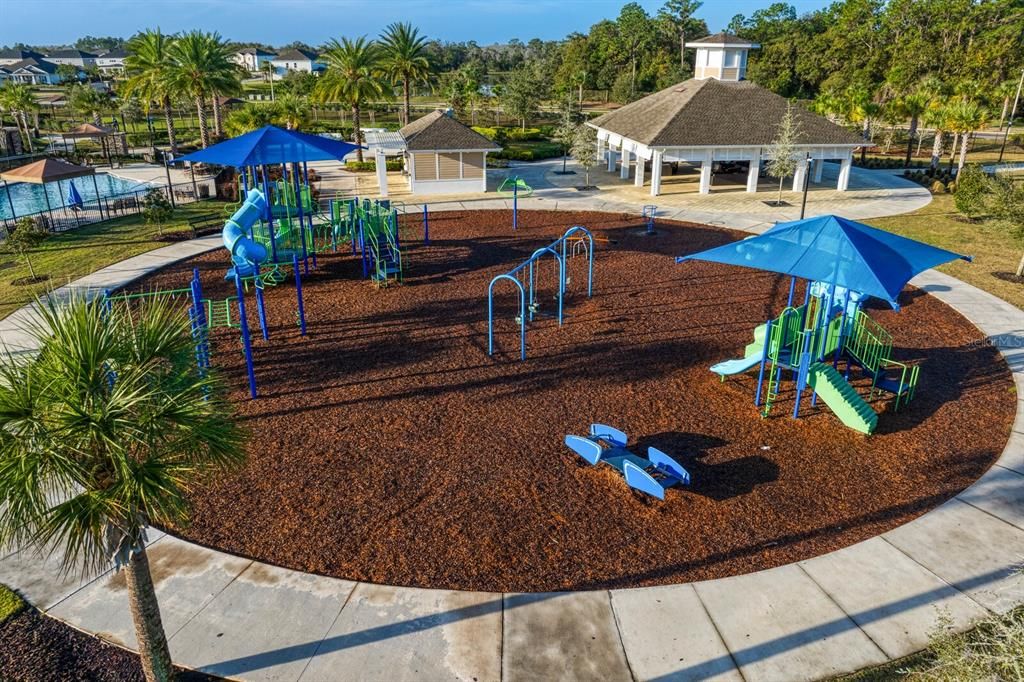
(807, 177)
(1013, 112)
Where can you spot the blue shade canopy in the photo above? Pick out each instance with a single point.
(836, 251)
(73, 198)
(271, 145)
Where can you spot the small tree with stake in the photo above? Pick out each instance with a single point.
(26, 236)
(782, 152)
(156, 209)
(568, 124)
(584, 149)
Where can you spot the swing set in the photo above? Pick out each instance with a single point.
(577, 239)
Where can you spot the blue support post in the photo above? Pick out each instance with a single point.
(352, 218)
(246, 341)
(801, 373)
(261, 308)
(298, 294)
(394, 226)
(792, 289)
(522, 315)
(270, 214)
(426, 225)
(515, 205)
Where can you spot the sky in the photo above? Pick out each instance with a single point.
(278, 22)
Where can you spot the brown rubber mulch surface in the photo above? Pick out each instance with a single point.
(388, 447)
(34, 648)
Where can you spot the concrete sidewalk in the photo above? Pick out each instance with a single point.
(863, 605)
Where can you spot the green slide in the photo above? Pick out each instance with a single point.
(843, 398)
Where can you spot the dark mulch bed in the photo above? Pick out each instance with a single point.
(387, 447)
(34, 648)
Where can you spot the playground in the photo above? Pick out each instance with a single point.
(388, 446)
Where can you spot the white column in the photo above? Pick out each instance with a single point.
(483, 180)
(844, 172)
(705, 174)
(600, 148)
(638, 179)
(799, 175)
(624, 170)
(611, 159)
(819, 166)
(753, 174)
(382, 173)
(655, 174)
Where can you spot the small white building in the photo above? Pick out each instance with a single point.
(80, 58)
(444, 156)
(253, 59)
(112, 61)
(295, 59)
(713, 118)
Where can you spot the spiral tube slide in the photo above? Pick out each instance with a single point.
(245, 253)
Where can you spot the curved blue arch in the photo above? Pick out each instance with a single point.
(522, 315)
(561, 277)
(590, 254)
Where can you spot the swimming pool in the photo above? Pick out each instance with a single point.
(28, 198)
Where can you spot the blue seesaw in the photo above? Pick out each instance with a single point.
(608, 445)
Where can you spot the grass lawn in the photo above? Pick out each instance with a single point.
(996, 252)
(70, 255)
(10, 603)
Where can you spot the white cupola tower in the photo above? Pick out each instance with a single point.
(722, 56)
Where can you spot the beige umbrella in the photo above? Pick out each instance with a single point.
(48, 170)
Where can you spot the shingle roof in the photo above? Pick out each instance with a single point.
(438, 132)
(255, 50)
(41, 64)
(722, 39)
(700, 113)
(295, 55)
(74, 54)
(116, 53)
(19, 54)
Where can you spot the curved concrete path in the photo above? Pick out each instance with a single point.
(839, 612)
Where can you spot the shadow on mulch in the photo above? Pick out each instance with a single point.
(388, 447)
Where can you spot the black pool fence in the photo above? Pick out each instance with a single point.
(63, 218)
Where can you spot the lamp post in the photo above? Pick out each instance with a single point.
(807, 177)
(1013, 112)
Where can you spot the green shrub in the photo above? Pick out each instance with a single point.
(511, 134)
(10, 603)
(938, 187)
(371, 166)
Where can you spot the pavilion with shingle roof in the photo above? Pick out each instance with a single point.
(442, 155)
(717, 117)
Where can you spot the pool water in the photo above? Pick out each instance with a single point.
(29, 198)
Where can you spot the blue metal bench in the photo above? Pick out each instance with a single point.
(608, 445)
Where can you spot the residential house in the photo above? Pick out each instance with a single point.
(33, 71)
(253, 59)
(8, 57)
(112, 61)
(80, 58)
(296, 60)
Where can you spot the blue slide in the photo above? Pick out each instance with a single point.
(246, 254)
(736, 366)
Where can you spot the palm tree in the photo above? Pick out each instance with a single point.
(103, 432)
(201, 68)
(913, 105)
(405, 60)
(248, 118)
(148, 66)
(18, 99)
(87, 101)
(353, 76)
(936, 117)
(965, 117)
(291, 110)
(861, 108)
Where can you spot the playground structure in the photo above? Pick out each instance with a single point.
(844, 263)
(607, 445)
(576, 239)
(812, 340)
